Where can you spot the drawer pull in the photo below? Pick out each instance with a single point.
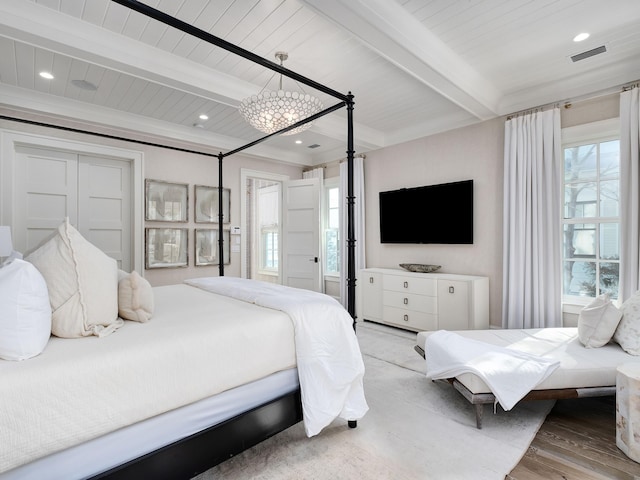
(406, 317)
(451, 289)
(406, 284)
(370, 279)
(406, 301)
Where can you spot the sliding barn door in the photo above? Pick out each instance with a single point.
(301, 234)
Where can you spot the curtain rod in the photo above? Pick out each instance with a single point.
(568, 102)
(328, 164)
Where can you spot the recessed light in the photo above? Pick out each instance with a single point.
(204, 117)
(46, 75)
(580, 37)
(298, 142)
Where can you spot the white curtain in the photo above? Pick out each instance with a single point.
(358, 222)
(315, 173)
(629, 194)
(532, 256)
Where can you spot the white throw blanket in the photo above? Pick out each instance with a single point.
(509, 374)
(330, 365)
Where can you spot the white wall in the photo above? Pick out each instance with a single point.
(175, 166)
(475, 152)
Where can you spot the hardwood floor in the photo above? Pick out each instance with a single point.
(577, 442)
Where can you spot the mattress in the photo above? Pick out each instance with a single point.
(580, 367)
(196, 345)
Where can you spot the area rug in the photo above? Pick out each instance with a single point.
(415, 429)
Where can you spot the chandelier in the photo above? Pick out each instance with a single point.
(270, 111)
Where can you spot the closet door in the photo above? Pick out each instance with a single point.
(94, 192)
(46, 191)
(104, 206)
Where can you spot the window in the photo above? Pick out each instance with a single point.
(591, 219)
(331, 230)
(270, 249)
(267, 217)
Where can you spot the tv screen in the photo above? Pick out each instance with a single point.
(430, 214)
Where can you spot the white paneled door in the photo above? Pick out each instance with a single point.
(93, 191)
(301, 239)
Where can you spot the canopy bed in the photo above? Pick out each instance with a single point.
(73, 418)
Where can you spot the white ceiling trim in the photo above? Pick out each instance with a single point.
(51, 30)
(392, 32)
(36, 102)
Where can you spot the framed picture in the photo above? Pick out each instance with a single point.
(166, 247)
(206, 204)
(166, 202)
(206, 251)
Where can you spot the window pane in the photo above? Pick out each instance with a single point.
(580, 279)
(332, 257)
(609, 198)
(580, 200)
(580, 163)
(333, 198)
(580, 240)
(610, 159)
(334, 218)
(609, 277)
(609, 241)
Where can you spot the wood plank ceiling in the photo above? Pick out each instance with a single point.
(416, 67)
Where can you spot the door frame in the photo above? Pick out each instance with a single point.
(10, 139)
(246, 173)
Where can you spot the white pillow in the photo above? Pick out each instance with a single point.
(25, 313)
(628, 331)
(597, 322)
(135, 298)
(82, 283)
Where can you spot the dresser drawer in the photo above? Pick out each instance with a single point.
(418, 321)
(410, 301)
(398, 283)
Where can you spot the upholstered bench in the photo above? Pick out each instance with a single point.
(583, 372)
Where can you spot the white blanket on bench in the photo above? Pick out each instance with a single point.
(510, 374)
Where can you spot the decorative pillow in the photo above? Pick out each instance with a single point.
(82, 283)
(25, 313)
(135, 298)
(628, 331)
(597, 322)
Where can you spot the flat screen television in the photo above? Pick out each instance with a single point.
(429, 214)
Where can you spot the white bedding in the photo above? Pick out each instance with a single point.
(330, 365)
(509, 373)
(196, 345)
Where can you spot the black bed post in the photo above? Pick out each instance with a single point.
(351, 240)
(220, 219)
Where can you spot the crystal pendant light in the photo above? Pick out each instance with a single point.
(270, 111)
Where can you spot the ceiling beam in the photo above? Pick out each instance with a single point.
(392, 32)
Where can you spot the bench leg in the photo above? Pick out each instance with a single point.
(479, 412)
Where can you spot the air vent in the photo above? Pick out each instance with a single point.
(588, 53)
(315, 145)
(84, 85)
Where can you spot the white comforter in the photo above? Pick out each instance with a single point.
(330, 365)
(510, 374)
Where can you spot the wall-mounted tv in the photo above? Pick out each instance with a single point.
(429, 214)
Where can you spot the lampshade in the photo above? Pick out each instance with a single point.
(270, 111)
(6, 246)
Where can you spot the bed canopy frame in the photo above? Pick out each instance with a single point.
(344, 101)
(207, 448)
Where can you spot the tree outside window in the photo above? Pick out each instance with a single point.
(331, 232)
(591, 243)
